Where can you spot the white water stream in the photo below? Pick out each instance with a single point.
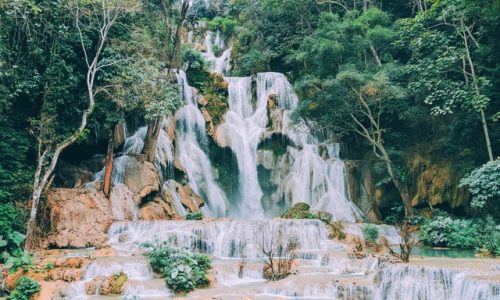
(309, 170)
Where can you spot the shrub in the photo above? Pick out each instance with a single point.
(20, 260)
(370, 233)
(196, 67)
(446, 232)
(197, 215)
(484, 185)
(279, 254)
(12, 220)
(183, 271)
(25, 288)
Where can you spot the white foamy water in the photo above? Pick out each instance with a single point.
(224, 238)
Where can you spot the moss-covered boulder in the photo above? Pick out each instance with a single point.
(299, 211)
(113, 284)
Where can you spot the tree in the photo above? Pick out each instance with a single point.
(366, 94)
(172, 21)
(347, 82)
(442, 43)
(97, 17)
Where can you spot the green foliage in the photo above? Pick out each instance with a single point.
(215, 91)
(25, 288)
(197, 215)
(370, 233)
(195, 66)
(20, 259)
(445, 231)
(12, 223)
(484, 185)
(226, 25)
(183, 271)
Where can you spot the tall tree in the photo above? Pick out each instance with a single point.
(94, 17)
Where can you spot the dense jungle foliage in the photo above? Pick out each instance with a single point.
(405, 84)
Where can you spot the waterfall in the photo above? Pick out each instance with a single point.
(307, 169)
(219, 64)
(191, 143)
(242, 130)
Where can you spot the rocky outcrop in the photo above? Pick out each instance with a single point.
(72, 176)
(266, 159)
(160, 208)
(189, 199)
(140, 176)
(436, 183)
(74, 218)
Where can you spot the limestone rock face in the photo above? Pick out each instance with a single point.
(74, 218)
(160, 208)
(189, 198)
(141, 177)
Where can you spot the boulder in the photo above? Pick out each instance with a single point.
(73, 218)
(161, 208)
(71, 176)
(140, 176)
(298, 211)
(324, 216)
(189, 199)
(113, 284)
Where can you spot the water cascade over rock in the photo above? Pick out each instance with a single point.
(280, 163)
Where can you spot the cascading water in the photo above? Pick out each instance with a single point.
(242, 131)
(219, 64)
(308, 169)
(191, 138)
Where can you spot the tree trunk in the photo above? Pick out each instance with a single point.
(375, 55)
(401, 187)
(486, 136)
(149, 149)
(108, 167)
(465, 38)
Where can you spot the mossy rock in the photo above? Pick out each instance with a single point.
(299, 211)
(113, 284)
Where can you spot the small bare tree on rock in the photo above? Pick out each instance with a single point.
(279, 254)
